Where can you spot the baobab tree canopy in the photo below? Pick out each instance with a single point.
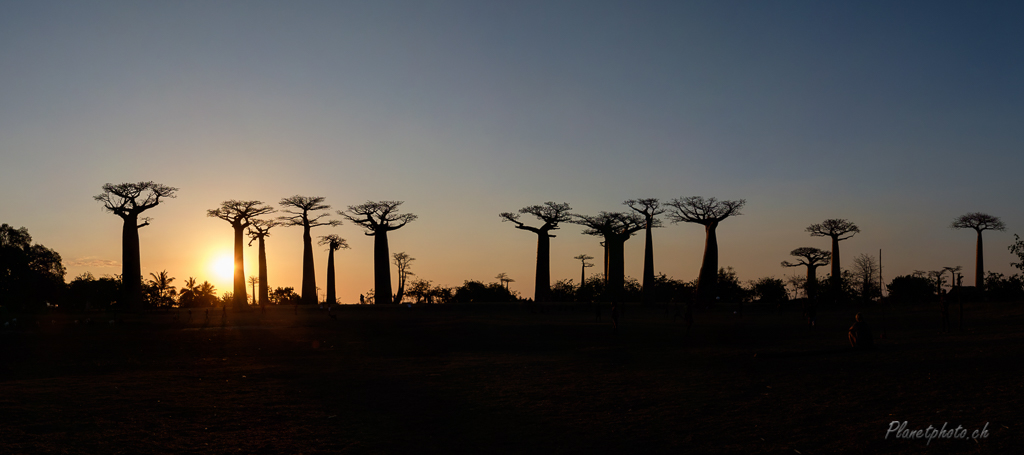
(128, 200)
(378, 218)
(980, 222)
(298, 209)
(812, 258)
(551, 213)
(615, 228)
(707, 212)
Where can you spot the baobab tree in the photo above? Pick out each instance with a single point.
(709, 213)
(812, 258)
(979, 222)
(583, 258)
(128, 201)
(253, 281)
(379, 218)
(403, 262)
(258, 231)
(299, 210)
(615, 228)
(239, 214)
(649, 208)
(551, 213)
(333, 243)
(838, 229)
(504, 279)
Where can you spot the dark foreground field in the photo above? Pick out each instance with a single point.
(500, 379)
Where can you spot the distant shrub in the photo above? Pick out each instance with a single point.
(911, 289)
(1004, 288)
(769, 290)
(477, 292)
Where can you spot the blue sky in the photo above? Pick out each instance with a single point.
(899, 116)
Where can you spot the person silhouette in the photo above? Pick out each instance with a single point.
(860, 334)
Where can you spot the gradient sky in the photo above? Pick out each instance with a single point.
(899, 116)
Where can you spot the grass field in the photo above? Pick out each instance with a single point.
(490, 378)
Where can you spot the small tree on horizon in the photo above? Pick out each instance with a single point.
(980, 222)
(402, 262)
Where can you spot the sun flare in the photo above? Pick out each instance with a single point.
(223, 267)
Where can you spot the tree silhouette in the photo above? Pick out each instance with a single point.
(128, 201)
(403, 262)
(253, 281)
(299, 208)
(583, 258)
(504, 279)
(333, 243)
(649, 208)
(979, 222)
(240, 215)
(615, 228)
(812, 258)
(161, 283)
(708, 213)
(259, 230)
(836, 229)
(377, 219)
(551, 213)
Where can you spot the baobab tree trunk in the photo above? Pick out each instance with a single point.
(837, 274)
(308, 274)
(543, 281)
(332, 295)
(238, 300)
(616, 269)
(131, 265)
(381, 268)
(812, 282)
(707, 281)
(648, 284)
(979, 278)
(264, 287)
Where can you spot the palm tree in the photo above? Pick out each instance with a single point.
(162, 283)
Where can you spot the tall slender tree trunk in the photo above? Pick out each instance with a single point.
(979, 277)
(648, 284)
(583, 278)
(238, 300)
(707, 281)
(543, 281)
(332, 295)
(616, 268)
(264, 287)
(812, 281)
(837, 273)
(309, 296)
(381, 268)
(131, 264)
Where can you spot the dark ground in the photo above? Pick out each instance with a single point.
(486, 379)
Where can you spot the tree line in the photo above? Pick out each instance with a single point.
(251, 219)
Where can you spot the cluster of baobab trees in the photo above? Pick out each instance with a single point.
(130, 200)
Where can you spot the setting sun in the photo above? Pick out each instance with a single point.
(223, 267)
